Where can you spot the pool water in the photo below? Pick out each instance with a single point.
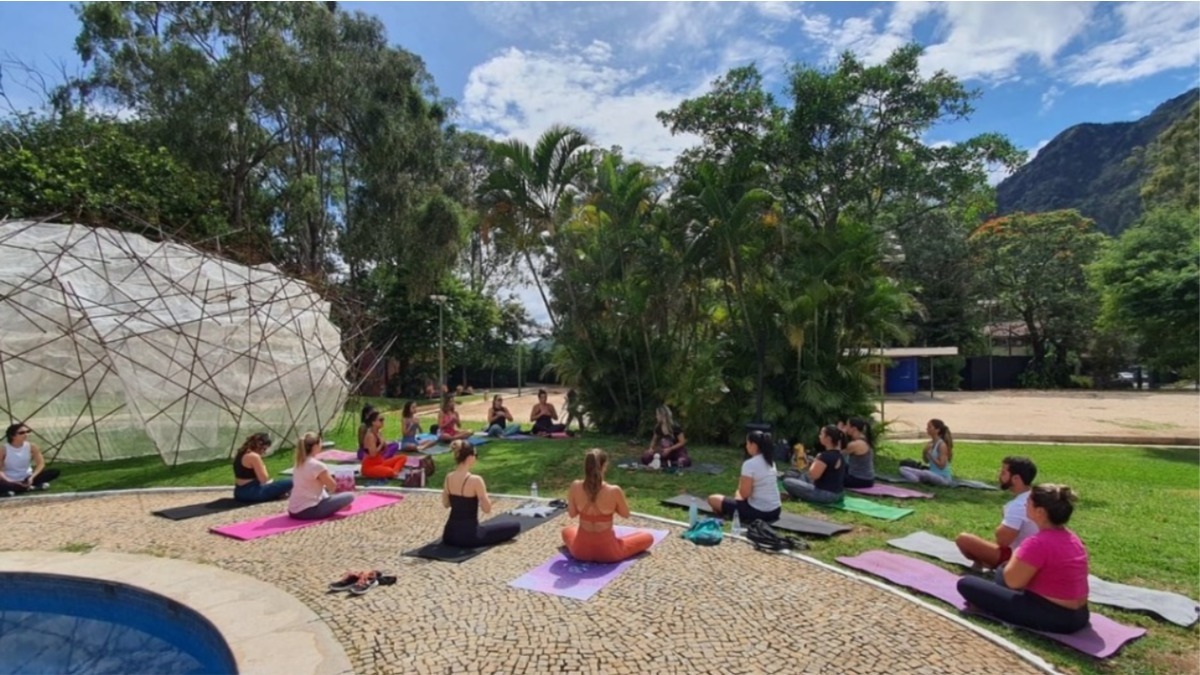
(58, 624)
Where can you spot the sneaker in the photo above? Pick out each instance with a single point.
(44, 486)
(365, 583)
(345, 583)
(9, 493)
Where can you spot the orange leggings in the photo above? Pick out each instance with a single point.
(378, 467)
(604, 547)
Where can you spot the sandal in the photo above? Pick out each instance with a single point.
(345, 583)
(365, 583)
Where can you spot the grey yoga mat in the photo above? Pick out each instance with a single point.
(788, 521)
(958, 482)
(1172, 607)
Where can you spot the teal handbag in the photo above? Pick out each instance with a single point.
(706, 532)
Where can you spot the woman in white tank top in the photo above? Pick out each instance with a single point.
(22, 467)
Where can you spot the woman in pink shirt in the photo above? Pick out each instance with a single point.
(1046, 580)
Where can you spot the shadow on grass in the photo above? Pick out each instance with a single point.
(1181, 455)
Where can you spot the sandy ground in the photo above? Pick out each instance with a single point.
(1159, 417)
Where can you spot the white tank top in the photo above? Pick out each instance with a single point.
(18, 462)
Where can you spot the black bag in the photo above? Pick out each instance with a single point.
(766, 538)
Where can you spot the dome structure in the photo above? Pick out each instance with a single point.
(115, 346)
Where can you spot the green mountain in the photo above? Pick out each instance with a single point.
(1095, 168)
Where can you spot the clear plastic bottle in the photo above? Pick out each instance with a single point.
(693, 513)
(736, 526)
(656, 463)
(533, 491)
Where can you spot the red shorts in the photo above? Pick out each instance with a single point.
(1005, 554)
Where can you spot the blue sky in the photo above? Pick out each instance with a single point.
(517, 68)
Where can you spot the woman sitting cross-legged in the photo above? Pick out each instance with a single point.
(938, 452)
(312, 484)
(544, 415)
(824, 480)
(757, 496)
(595, 502)
(465, 494)
(860, 453)
(22, 467)
(411, 428)
(499, 418)
(448, 422)
(377, 463)
(252, 482)
(668, 444)
(1046, 580)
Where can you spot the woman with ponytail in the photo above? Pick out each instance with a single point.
(465, 494)
(938, 453)
(1046, 580)
(860, 454)
(757, 495)
(824, 481)
(594, 502)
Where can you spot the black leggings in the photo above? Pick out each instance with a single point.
(472, 535)
(1022, 608)
(39, 480)
(853, 482)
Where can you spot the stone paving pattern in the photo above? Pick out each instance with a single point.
(724, 609)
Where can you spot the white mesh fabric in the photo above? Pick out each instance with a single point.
(112, 346)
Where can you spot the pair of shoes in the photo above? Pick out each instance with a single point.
(557, 504)
(345, 583)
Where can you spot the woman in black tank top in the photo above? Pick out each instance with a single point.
(465, 494)
(252, 483)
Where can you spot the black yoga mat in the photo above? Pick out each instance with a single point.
(196, 510)
(787, 521)
(436, 550)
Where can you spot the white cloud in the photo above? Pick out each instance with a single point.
(686, 26)
(519, 94)
(1050, 96)
(778, 11)
(1154, 37)
(1036, 149)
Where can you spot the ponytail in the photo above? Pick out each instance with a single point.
(864, 427)
(593, 472)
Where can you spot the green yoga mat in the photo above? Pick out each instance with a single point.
(870, 508)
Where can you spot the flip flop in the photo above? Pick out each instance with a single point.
(345, 583)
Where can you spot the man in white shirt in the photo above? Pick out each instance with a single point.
(1016, 476)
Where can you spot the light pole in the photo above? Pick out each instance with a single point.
(441, 302)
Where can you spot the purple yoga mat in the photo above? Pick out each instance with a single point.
(336, 456)
(570, 578)
(878, 490)
(265, 527)
(1103, 638)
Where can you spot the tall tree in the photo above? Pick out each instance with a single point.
(1174, 164)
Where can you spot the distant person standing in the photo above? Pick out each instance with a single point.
(1016, 476)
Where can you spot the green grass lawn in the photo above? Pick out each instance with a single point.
(1139, 512)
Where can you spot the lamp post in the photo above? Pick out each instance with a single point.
(441, 302)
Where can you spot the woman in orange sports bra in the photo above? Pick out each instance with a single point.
(595, 502)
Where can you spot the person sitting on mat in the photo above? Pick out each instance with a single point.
(312, 483)
(370, 435)
(757, 495)
(1016, 475)
(938, 454)
(378, 463)
(668, 444)
(22, 467)
(498, 419)
(465, 494)
(1046, 580)
(543, 416)
(824, 480)
(411, 428)
(252, 482)
(448, 422)
(594, 502)
(860, 454)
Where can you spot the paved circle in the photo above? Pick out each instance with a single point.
(726, 609)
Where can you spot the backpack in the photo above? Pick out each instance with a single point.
(705, 532)
(766, 538)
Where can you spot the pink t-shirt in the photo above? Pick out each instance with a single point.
(1061, 561)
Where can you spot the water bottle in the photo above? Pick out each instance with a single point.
(533, 489)
(736, 527)
(693, 513)
(656, 463)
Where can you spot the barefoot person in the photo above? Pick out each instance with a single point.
(252, 481)
(668, 444)
(1046, 580)
(544, 415)
(411, 428)
(465, 494)
(22, 467)
(757, 495)
(1016, 476)
(594, 502)
(312, 485)
(938, 453)
(377, 463)
(448, 422)
(498, 418)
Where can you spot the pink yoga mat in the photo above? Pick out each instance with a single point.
(265, 527)
(570, 578)
(892, 491)
(336, 456)
(1103, 638)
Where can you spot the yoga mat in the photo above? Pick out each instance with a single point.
(959, 482)
(336, 456)
(787, 521)
(891, 491)
(436, 550)
(1173, 607)
(1101, 639)
(335, 468)
(870, 508)
(265, 527)
(196, 510)
(564, 576)
(707, 469)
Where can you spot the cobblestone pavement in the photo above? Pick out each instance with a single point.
(725, 609)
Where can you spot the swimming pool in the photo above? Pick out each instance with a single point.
(58, 624)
